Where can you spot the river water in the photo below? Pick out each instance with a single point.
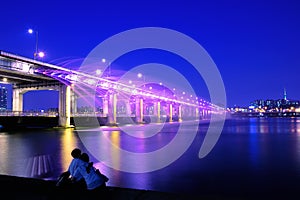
(252, 155)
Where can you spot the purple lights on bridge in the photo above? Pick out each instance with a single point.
(100, 86)
(94, 93)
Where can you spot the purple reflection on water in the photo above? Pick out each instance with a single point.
(246, 160)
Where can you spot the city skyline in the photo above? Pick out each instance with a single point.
(254, 44)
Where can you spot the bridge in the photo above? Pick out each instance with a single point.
(115, 99)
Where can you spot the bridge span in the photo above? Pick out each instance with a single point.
(112, 100)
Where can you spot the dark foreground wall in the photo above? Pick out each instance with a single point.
(30, 122)
(12, 187)
(21, 122)
(33, 122)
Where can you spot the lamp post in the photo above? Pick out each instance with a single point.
(103, 60)
(140, 75)
(36, 53)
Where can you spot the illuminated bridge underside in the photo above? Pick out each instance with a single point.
(116, 99)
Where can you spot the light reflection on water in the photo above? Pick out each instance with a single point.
(68, 143)
(254, 151)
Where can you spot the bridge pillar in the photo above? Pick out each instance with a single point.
(197, 113)
(209, 113)
(205, 113)
(156, 109)
(64, 106)
(17, 100)
(170, 112)
(112, 108)
(180, 113)
(73, 102)
(139, 108)
(202, 114)
(105, 105)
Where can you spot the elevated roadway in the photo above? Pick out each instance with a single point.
(27, 74)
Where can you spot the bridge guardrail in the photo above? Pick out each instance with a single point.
(28, 113)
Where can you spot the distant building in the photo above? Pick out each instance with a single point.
(284, 94)
(3, 99)
(270, 103)
(275, 105)
(283, 107)
(258, 103)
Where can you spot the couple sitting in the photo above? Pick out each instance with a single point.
(83, 174)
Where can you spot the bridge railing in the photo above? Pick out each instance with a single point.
(28, 113)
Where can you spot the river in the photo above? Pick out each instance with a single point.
(252, 155)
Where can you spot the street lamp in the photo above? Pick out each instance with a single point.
(98, 71)
(36, 53)
(140, 75)
(103, 60)
(41, 54)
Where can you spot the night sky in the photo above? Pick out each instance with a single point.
(255, 44)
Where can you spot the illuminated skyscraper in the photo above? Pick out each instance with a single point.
(284, 94)
(3, 98)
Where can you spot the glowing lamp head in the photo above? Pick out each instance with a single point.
(98, 71)
(30, 31)
(41, 54)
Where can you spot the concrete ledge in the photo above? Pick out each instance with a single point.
(13, 187)
(20, 188)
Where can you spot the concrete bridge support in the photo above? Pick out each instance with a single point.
(64, 106)
(111, 103)
(17, 100)
(170, 112)
(197, 113)
(156, 110)
(67, 100)
(73, 102)
(112, 108)
(205, 113)
(105, 100)
(139, 109)
(180, 113)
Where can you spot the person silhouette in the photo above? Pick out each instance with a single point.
(94, 182)
(76, 161)
(66, 177)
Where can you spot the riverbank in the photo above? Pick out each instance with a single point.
(13, 187)
(23, 188)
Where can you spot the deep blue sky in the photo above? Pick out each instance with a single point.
(255, 44)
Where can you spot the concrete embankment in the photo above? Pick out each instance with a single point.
(12, 187)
